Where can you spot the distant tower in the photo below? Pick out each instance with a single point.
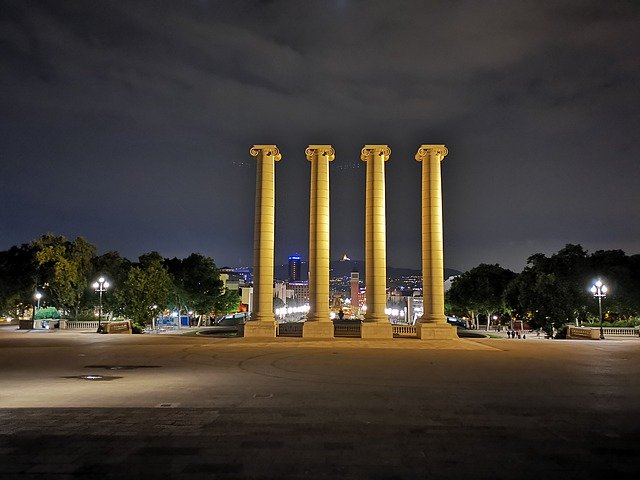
(355, 290)
(295, 266)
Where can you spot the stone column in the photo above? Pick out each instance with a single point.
(263, 322)
(376, 323)
(318, 322)
(433, 323)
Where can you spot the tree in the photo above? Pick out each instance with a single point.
(621, 274)
(228, 302)
(552, 291)
(18, 279)
(145, 287)
(481, 290)
(197, 282)
(64, 268)
(116, 269)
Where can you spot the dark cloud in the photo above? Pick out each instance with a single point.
(130, 122)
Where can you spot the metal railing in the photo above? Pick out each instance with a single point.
(82, 325)
(350, 331)
(622, 331)
(593, 333)
(292, 329)
(405, 331)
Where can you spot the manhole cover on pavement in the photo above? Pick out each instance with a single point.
(121, 367)
(94, 378)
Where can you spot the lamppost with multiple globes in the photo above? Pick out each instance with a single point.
(599, 291)
(100, 286)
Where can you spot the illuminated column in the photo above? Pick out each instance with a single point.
(376, 324)
(318, 322)
(433, 323)
(263, 322)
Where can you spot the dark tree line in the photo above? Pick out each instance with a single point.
(64, 270)
(552, 291)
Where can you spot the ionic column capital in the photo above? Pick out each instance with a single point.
(267, 151)
(321, 151)
(370, 150)
(426, 150)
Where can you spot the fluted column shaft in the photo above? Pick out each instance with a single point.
(264, 232)
(319, 156)
(375, 232)
(432, 238)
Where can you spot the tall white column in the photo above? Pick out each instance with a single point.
(318, 322)
(263, 322)
(376, 323)
(433, 323)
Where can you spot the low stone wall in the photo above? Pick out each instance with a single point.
(593, 333)
(583, 332)
(118, 327)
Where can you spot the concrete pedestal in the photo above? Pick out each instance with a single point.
(436, 331)
(260, 329)
(371, 330)
(317, 329)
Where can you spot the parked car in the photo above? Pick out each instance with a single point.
(457, 322)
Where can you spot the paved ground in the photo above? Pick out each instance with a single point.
(170, 406)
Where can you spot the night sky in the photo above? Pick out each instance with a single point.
(130, 122)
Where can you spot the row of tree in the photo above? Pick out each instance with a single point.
(552, 290)
(63, 271)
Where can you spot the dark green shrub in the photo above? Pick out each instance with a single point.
(136, 328)
(47, 312)
(562, 332)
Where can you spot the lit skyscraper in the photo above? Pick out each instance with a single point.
(295, 265)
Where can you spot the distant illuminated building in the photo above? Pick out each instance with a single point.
(300, 291)
(345, 258)
(295, 265)
(357, 297)
(282, 291)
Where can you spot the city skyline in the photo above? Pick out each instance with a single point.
(130, 124)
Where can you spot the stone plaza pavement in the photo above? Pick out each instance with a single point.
(90, 406)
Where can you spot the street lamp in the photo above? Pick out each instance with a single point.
(100, 286)
(599, 291)
(37, 296)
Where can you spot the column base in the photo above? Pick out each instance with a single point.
(260, 329)
(376, 330)
(317, 329)
(436, 331)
